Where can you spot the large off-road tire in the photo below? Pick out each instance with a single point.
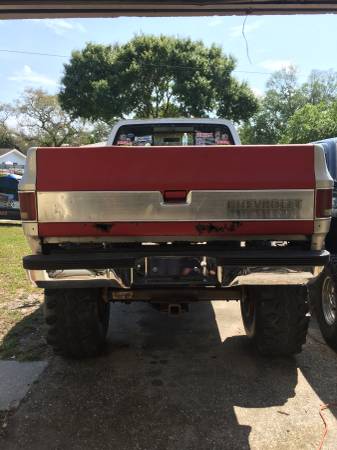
(323, 298)
(77, 321)
(276, 318)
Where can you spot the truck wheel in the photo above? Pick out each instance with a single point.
(323, 296)
(77, 321)
(275, 318)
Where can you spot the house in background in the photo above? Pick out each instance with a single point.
(12, 160)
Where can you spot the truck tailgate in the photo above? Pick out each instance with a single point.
(176, 191)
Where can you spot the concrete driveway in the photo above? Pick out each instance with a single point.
(180, 383)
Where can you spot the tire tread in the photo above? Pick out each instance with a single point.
(74, 328)
(281, 319)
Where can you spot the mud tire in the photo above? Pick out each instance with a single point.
(77, 321)
(328, 330)
(276, 318)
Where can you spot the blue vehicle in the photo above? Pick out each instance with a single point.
(9, 198)
(324, 291)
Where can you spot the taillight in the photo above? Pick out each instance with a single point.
(28, 205)
(323, 203)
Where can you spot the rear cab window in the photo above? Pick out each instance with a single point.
(173, 135)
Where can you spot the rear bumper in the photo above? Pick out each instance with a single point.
(126, 257)
(83, 278)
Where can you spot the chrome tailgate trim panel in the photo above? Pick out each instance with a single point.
(149, 206)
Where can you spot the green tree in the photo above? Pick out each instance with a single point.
(312, 123)
(263, 128)
(7, 138)
(282, 98)
(96, 132)
(285, 99)
(321, 86)
(41, 121)
(154, 77)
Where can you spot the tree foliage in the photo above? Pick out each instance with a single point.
(311, 123)
(154, 77)
(287, 108)
(321, 87)
(37, 119)
(281, 100)
(41, 120)
(7, 139)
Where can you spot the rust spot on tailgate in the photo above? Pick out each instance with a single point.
(211, 228)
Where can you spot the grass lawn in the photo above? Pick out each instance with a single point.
(21, 318)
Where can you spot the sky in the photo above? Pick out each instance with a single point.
(308, 42)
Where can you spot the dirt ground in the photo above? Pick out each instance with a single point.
(179, 383)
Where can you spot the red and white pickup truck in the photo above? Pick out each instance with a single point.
(174, 211)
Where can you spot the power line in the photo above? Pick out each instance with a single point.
(252, 71)
(26, 52)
